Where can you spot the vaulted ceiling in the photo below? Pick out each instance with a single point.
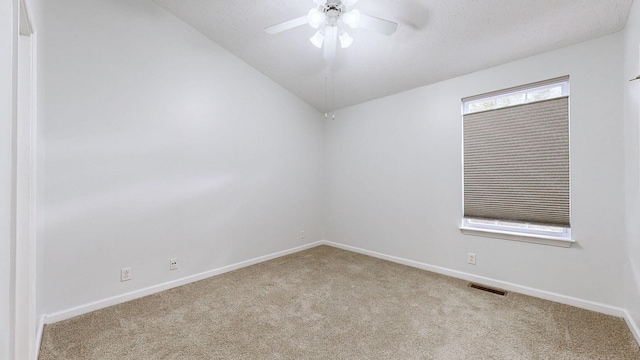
(435, 40)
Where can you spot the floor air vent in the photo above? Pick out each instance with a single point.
(488, 289)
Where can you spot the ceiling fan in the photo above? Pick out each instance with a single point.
(331, 18)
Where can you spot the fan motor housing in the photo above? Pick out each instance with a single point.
(333, 9)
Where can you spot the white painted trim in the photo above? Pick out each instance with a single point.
(559, 298)
(118, 299)
(26, 302)
(635, 330)
(515, 236)
(35, 334)
(39, 337)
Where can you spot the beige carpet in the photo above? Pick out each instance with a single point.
(326, 303)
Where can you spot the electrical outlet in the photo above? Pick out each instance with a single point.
(302, 234)
(173, 264)
(471, 258)
(125, 274)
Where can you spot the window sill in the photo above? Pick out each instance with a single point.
(509, 235)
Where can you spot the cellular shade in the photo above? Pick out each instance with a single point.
(516, 163)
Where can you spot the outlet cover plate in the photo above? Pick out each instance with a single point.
(125, 274)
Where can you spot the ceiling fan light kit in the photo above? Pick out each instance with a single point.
(317, 39)
(345, 40)
(315, 18)
(331, 18)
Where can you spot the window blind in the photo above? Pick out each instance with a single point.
(516, 163)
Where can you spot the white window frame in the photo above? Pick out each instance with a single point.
(510, 230)
(564, 91)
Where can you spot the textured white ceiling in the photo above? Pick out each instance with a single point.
(436, 40)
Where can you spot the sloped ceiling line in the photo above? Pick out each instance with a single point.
(433, 41)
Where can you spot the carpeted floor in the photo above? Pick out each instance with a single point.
(326, 303)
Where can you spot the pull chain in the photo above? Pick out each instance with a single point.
(332, 94)
(333, 97)
(326, 92)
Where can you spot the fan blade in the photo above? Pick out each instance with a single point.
(320, 2)
(274, 29)
(378, 25)
(349, 2)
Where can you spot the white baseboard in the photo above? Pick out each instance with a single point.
(563, 299)
(118, 299)
(559, 298)
(635, 330)
(39, 333)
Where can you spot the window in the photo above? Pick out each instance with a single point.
(516, 163)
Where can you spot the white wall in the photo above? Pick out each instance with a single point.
(632, 156)
(395, 178)
(157, 143)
